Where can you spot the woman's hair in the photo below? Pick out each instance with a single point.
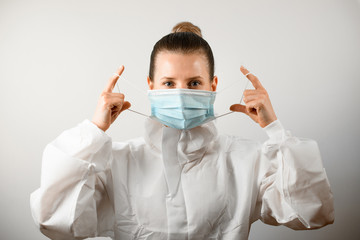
(185, 38)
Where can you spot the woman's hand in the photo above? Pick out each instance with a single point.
(258, 105)
(110, 104)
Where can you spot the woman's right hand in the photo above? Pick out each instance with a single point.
(110, 104)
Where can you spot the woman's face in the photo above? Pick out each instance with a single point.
(176, 70)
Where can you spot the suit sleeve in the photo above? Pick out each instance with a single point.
(74, 199)
(294, 189)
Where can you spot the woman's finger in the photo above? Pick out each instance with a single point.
(253, 79)
(125, 106)
(238, 108)
(112, 81)
(251, 97)
(252, 105)
(249, 92)
(110, 102)
(106, 97)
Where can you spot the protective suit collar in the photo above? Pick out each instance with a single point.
(180, 150)
(192, 142)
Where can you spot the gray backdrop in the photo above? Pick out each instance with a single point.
(56, 56)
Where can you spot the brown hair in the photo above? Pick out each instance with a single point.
(186, 27)
(185, 38)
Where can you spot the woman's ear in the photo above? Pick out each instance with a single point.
(214, 84)
(150, 83)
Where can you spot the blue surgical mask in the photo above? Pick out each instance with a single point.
(182, 108)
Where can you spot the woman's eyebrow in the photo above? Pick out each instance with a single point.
(190, 78)
(196, 77)
(167, 78)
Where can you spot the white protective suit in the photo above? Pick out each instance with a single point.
(178, 184)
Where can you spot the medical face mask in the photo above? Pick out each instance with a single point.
(182, 108)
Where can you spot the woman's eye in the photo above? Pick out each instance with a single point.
(194, 83)
(168, 84)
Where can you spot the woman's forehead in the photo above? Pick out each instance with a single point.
(172, 65)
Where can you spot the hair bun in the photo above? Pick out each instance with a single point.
(186, 27)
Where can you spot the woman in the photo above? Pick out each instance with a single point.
(182, 180)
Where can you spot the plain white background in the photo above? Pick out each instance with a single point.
(56, 57)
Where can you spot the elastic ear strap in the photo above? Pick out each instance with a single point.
(118, 87)
(222, 115)
(128, 82)
(115, 74)
(142, 114)
(242, 96)
(233, 83)
(228, 86)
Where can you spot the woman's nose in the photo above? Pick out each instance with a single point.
(182, 85)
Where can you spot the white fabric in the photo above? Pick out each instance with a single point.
(178, 184)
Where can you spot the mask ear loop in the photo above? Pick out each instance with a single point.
(228, 86)
(117, 85)
(242, 96)
(246, 85)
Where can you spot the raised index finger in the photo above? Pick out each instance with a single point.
(112, 81)
(253, 79)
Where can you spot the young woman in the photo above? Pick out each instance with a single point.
(182, 180)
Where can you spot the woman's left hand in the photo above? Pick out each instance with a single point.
(257, 102)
